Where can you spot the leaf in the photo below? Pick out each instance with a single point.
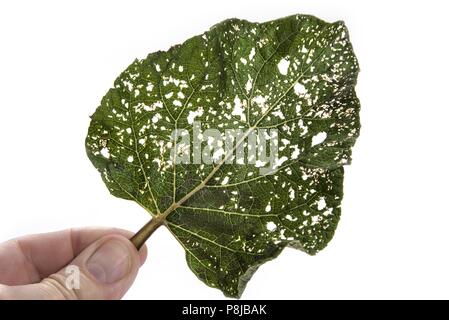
(295, 74)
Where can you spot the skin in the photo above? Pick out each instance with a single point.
(34, 266)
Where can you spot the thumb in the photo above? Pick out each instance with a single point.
(104, 270)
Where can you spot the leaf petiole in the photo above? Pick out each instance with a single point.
(146, 231)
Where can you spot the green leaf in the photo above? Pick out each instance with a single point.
(296, 75)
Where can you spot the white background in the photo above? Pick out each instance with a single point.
(58, 58)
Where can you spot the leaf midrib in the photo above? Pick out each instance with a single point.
(161, 218)
(203, 183)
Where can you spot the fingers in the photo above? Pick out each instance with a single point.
(107, 268)
(31, 258)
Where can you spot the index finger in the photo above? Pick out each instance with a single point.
(31, 258)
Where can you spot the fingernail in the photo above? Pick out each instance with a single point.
(110, 263)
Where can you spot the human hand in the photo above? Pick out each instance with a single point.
(36, 266)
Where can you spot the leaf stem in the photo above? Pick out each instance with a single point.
(145, 232)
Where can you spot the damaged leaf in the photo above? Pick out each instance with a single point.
(293, 77)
